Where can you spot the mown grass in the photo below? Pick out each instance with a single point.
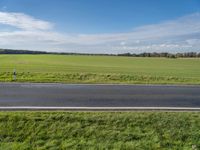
(99, 69)
(99, 130)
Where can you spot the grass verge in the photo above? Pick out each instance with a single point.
(95, 78)
(99, 130)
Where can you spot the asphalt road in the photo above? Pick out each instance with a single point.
(75, 95)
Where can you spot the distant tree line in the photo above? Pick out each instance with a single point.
(168, 55)
(9, 51)
(154, 54)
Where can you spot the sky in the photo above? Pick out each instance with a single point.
(101, 26)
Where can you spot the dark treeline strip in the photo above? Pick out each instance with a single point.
(154, 54)
(10, 51)
(168, 55)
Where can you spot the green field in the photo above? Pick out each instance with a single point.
(99, 130)
(99, 69)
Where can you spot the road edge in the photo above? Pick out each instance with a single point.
(30, 108)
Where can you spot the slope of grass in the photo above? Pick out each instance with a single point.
(99, 130)
(99, 69)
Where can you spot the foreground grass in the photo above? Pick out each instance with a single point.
(99, 130)
(99, 69)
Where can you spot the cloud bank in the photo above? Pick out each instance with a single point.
(180, 35)
(23, 21)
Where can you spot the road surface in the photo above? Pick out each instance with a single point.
(26, 95)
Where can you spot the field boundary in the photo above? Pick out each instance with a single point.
(101, 108)
(98, 84)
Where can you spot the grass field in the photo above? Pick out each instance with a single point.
(99, 69)
(99, 130)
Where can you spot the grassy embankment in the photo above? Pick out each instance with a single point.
(99, 69)
(99, 130)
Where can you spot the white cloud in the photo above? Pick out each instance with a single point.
(23, 21)
(178, 35)
(123, 43)
(4, 8)
(183, 26)
(193, 41)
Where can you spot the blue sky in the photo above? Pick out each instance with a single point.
(101, 26)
